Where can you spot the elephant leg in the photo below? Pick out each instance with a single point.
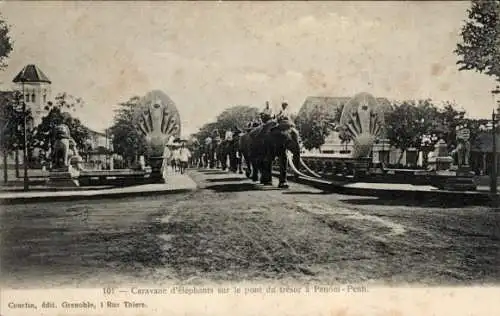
(248, 170)
(259, 170)
(283, 171)
(231, 162)
(234, 163)
(255, 169)
(266, 175)
(240, 162)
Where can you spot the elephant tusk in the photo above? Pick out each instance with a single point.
(309, 169)
(294, 168)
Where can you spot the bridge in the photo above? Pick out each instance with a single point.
(232, 229)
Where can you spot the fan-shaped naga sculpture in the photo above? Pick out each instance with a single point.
(158, 120)
(363, 120)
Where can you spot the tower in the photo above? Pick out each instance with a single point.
(35, 86)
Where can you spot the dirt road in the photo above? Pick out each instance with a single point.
(233, 230)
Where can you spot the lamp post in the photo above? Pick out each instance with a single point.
(25, 152)
(494, 118)
(25, 138)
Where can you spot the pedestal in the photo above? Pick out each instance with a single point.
(439, 163)
(461, 179)
(67, 177)
(411, 157)
(156, 169)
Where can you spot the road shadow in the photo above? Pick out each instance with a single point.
(306, 192)
(209, 172)
(240, 187)
(417, 202)
(227, 179)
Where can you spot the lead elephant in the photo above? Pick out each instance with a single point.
(263, 144)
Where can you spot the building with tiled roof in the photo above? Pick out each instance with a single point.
(31, 73)
(36, 87)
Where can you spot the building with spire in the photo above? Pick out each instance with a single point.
(36, 88)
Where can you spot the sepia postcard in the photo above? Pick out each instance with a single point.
(249, 158)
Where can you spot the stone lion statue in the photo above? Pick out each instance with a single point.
(462, 153)
(64, 149)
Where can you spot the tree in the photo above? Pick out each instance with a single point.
(12, 120)
(314, 126)
(448, 119)
(205, 131)
(58, 114)
(5, 43)
(409, 122)
(11, 124)
(344, 136)
(236, 116)
(480, 47)
(127, 140)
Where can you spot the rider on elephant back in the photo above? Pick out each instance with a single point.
(236, 130)
(283, 116)
(266, 114)
(267, 117)
(229, 135)
(216, 135)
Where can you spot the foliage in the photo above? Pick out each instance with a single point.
(448, 119)
(12, 121)
(237, 116)
(475, 126)
(344, 136)
(58, 114)
(5, 43)
(314, 126)
(127, 140)
(205, 131)
(480, 47)
(409, 121)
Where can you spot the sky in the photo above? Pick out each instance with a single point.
(209, 56)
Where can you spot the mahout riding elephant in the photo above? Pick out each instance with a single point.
(263, 144)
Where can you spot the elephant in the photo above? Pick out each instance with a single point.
(221, 154)
(196, 159)
(214, 153)
(229, 148)
(263, 144)
(244, 143)
(208, 153)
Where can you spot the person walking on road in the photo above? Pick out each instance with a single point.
(184, 155)
(175, 159)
